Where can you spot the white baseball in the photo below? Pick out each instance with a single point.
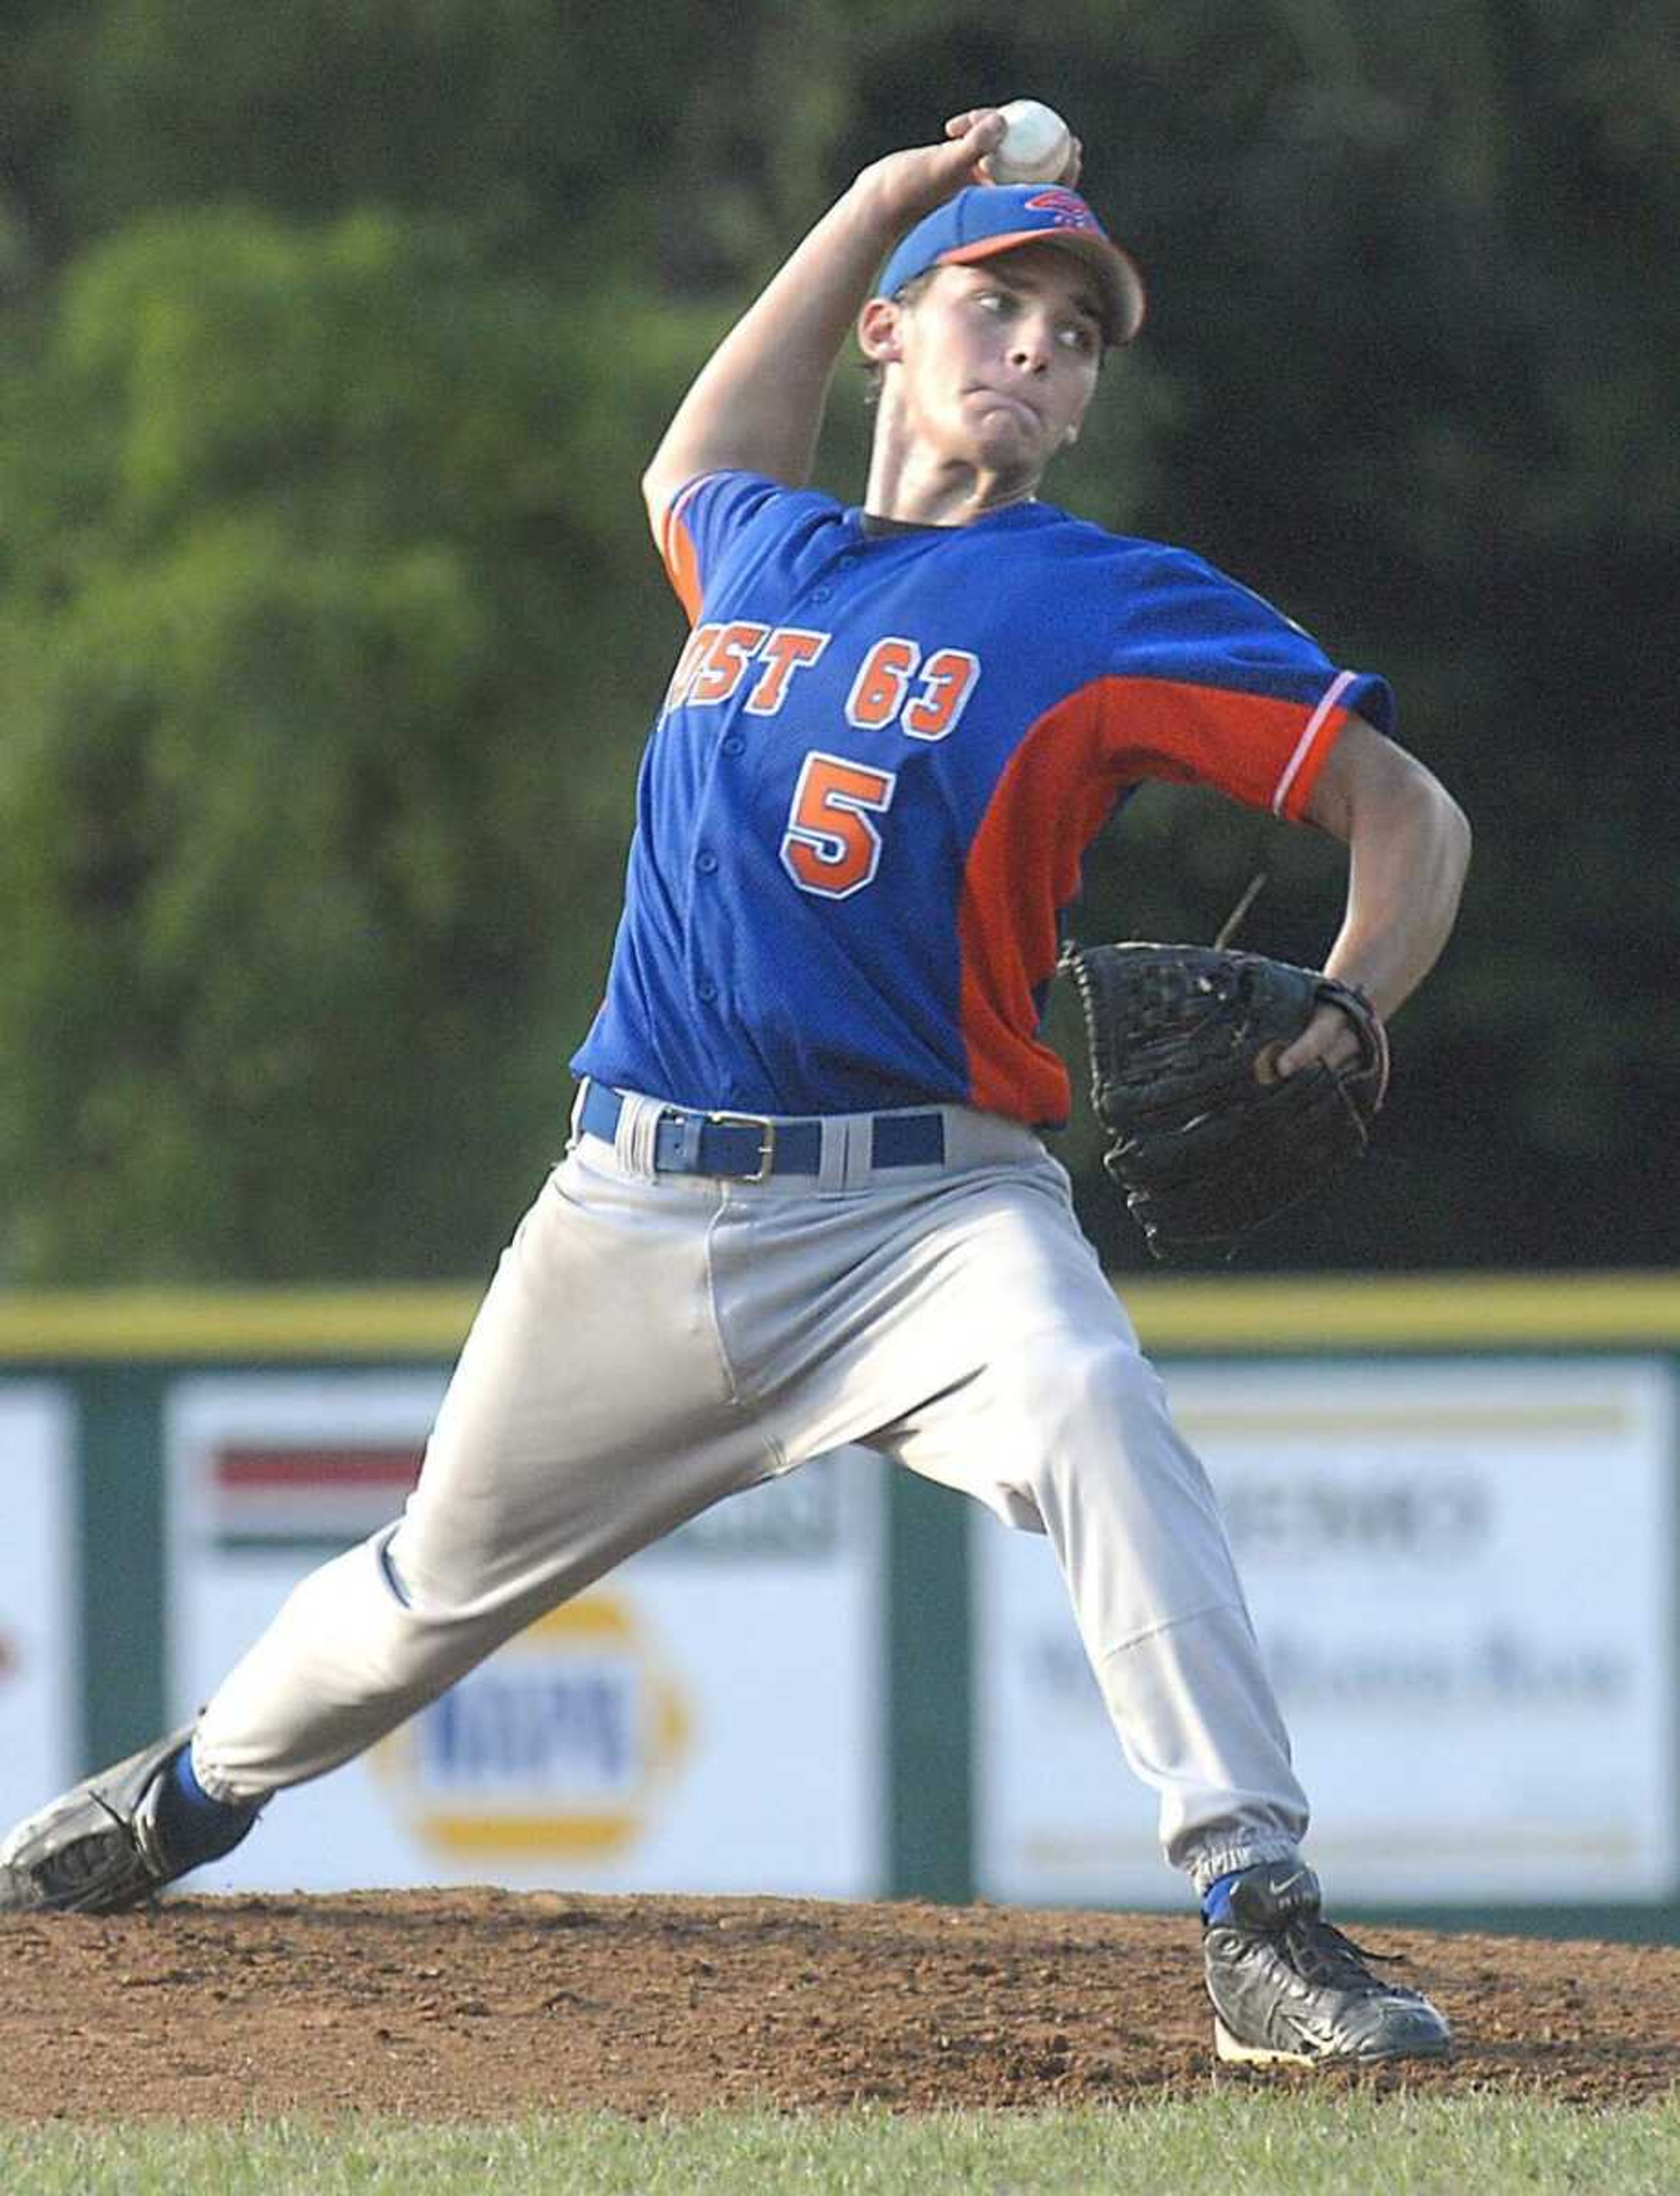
(1035, 146)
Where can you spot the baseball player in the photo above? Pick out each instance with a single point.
(805, 1202)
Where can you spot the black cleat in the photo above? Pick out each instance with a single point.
(95, 1850)
(1287, 1987)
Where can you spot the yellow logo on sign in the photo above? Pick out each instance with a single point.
(556, 1745)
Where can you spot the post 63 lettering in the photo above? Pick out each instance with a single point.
(831, 845)
(922, 692)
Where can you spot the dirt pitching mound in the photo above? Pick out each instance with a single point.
(485, 2005)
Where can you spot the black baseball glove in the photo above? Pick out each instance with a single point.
(1207, 1142)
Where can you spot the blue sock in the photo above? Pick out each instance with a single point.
(194, 1828)
(1216, 1898)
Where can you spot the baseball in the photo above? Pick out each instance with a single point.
(1035, 146)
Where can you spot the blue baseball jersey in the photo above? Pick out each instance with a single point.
(863, 810)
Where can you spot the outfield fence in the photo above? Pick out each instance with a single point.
(1452, 1500)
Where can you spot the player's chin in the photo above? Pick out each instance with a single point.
(1006, 442)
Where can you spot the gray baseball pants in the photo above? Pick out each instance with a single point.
(652, 1343)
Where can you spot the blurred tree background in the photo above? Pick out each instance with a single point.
(332, 342)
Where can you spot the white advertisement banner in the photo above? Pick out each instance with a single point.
(706, 1719)
(39, 1662)
(1461, 1577)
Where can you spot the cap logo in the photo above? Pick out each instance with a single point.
(1066, 209)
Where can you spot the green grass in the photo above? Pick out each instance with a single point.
(1236, 2145)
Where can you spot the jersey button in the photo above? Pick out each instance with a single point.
(705, 861)
(706, 990)
(734, 744)
(818, 595)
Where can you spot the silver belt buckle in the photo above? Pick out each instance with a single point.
(767, 1139)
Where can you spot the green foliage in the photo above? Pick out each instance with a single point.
(315, 725)
(334, 340)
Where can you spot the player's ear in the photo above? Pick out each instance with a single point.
(879, 331)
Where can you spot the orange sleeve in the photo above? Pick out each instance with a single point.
(1261, 749)
(678, 553)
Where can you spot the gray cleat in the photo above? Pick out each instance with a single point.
(1287, 1987)
(94, 1850)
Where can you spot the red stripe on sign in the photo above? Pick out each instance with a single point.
(250, 1468)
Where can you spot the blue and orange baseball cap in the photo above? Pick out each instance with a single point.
(991, 217)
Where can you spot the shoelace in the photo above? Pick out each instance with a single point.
(1320, 1954)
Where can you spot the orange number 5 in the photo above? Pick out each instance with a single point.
(830, 846)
